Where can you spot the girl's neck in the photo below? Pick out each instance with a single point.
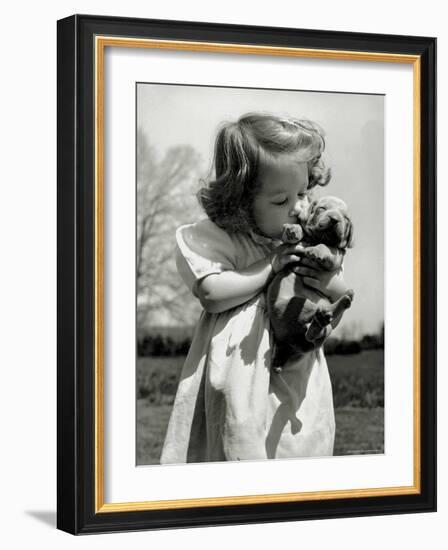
(261, 238)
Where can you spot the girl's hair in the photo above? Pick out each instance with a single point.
(240, 148)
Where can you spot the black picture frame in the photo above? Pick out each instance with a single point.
(76, 475)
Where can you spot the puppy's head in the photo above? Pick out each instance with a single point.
(328, 223)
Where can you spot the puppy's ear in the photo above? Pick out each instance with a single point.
(348, 237)
(312, 207)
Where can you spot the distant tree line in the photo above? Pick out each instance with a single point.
(162, 346)
(165, 345)
(346, 346)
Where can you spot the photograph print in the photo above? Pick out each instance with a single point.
(259, 274)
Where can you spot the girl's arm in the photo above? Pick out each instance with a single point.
(219, 292)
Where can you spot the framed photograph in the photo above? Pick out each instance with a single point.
(246, 274)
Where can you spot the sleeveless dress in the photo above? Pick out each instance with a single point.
(229, 405)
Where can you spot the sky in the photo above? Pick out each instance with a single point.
(354, 126)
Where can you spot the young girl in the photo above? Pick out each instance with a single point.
(229, 404)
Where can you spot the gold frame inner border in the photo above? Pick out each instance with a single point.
(101, 42)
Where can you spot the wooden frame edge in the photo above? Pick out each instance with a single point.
(100, 43)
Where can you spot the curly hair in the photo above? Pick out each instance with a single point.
(240, 148)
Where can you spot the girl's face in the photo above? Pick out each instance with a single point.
(282, 196)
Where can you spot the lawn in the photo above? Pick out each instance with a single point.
(358, 390)
(358, 379)
(358, 431)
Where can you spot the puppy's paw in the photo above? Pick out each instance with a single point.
(319, 254)
(323, 317)
(350, 294)
(343, 303)
(292, 233)
(317, 334)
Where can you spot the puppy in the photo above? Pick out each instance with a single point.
(300, 316)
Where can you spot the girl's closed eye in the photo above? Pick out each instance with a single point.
(281, 203)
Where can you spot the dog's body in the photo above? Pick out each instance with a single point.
(301, 317)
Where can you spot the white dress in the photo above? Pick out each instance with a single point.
(229, 404)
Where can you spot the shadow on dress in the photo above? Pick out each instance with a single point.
(291, 397)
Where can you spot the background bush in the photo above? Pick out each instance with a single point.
(176, 341)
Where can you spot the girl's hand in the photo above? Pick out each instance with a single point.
(330, 284)
(284, 255)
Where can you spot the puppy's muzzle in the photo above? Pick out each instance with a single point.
(332, 227)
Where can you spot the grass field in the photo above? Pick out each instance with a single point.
(358, 391)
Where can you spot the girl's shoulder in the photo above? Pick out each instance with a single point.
(205, 225)
(206, 240)
(202, 232)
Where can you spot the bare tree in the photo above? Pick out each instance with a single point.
(165, 200)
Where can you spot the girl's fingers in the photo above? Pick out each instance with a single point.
(290, 258)
(310, 263)
(306, 271)
(297, 249)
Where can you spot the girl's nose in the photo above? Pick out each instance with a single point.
(294, 213)
(296, 209)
